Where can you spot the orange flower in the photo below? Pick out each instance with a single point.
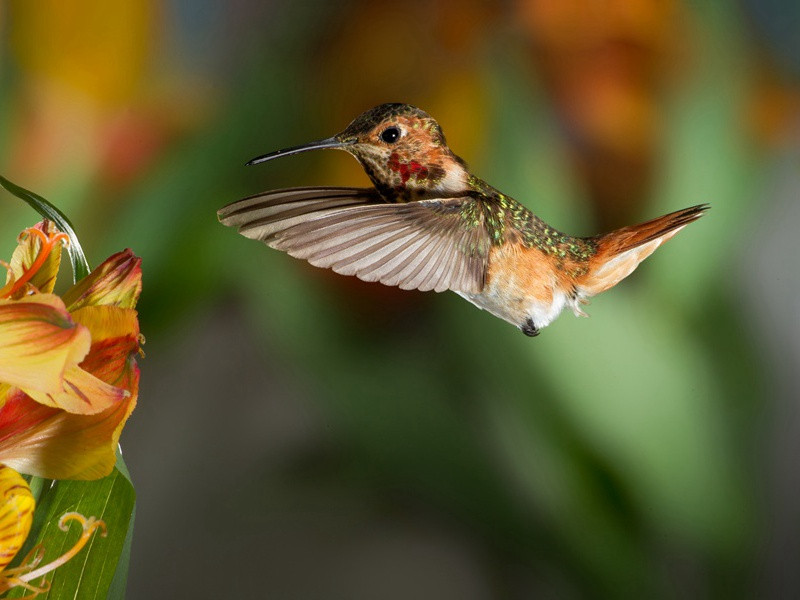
(68, 383)
(68, 375)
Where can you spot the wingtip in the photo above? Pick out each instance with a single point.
(223, 214)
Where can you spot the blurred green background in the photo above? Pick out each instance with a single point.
(305, 435)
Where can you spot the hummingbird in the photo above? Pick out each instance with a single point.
(428, 223)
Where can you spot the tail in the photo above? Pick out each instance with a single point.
(621, 251)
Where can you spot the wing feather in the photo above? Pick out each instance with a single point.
(260, 216)
(425, 264)
(424, 245)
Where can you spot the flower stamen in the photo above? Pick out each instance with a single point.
(22, 576)
(47, 241)
(13, 582)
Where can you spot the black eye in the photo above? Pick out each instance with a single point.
(390, 135)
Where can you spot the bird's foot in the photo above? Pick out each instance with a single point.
(575, 302)
(529, 329)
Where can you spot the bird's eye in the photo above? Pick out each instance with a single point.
(390, 135)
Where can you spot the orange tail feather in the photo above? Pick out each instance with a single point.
(621, 251)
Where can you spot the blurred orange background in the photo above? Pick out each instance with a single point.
(301, 434)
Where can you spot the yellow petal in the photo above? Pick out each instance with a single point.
(25, 254)
(107, 322)
(16, 514)
(82, 394)
(115, 340)
(47, 442)
(40, 348)
(38, 340)
(116, 282)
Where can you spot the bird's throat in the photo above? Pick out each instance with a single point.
(406, 179)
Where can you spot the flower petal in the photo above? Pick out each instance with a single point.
(115, 340)
(16, 514)
(40, 348)
(38, 340)
(116, 282)
(83, 393)
(25, 255)
(47, 442)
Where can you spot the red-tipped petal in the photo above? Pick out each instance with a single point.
(116, 282)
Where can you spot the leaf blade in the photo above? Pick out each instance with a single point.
(91, 572)
(80, 266)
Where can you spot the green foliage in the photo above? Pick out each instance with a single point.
(90, 573)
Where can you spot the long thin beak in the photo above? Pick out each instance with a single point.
(330, 142)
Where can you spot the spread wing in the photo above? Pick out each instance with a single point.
(423, 245)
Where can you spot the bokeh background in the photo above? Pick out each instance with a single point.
(305, 435)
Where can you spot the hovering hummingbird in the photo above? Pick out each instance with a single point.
(429, 224)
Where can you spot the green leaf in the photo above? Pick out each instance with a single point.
(80, 266)
(119, 584)
(89, 575)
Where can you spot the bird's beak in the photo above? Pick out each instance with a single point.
(331, 142)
